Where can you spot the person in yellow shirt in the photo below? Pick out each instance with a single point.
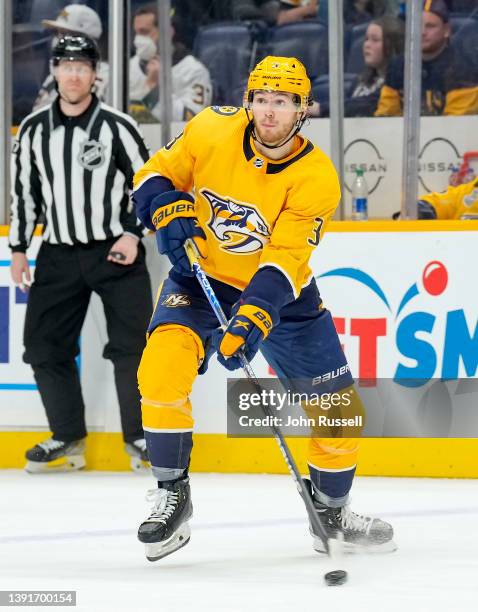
(449, 82)
(255, 196)
(459, 202)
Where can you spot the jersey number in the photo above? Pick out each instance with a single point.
(316, 231)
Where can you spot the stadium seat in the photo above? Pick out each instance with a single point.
(228, 51)
(354, 62)
(465, 7)
(464, 38)
(306, 40)
(460, 23)
(321, 88)
(237, 94)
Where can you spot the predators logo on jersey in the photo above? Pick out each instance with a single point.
(255, 211)
(238, 226)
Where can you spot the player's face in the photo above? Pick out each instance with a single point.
(373, 46)
(275, 114)
(434, 33)
(75, 80)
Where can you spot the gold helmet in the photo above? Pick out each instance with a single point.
(279, 74)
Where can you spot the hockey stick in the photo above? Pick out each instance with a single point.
(315, 522)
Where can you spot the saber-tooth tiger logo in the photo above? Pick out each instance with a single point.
(238, 226)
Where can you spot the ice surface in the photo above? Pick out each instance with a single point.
(250, 549)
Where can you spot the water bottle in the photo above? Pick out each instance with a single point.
(359, 197)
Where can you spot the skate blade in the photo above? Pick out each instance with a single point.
(158, 550)
(137, 465)
(70, 463)
(349, 548)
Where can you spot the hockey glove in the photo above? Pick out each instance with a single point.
(174, 218)
(250, 324)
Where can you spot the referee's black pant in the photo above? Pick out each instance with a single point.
(65, 277)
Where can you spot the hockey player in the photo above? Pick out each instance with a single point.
(263, 195)
(460, 202)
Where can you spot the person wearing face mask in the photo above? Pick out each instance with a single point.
(191, 82)
(74, 19)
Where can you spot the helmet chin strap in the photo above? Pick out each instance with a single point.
(295, 130)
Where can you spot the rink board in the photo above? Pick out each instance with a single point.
(379, 272)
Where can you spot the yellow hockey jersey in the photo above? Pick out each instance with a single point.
(459, 202)
(255, 212)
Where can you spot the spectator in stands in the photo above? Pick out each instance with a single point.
(74, 19)
(191, 87)
(297, 10)
(449, 87)
(384, 40)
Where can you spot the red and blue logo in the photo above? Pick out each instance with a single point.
(427, 347)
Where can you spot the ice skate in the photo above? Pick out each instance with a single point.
(139, 455)
(167, 529)
(56, 456)
(358, 533)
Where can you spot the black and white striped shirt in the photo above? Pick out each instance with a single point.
(78, 172)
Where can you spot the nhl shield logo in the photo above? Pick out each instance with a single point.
(238, 226)
(91, 155)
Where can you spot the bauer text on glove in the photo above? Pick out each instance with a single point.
(174, 218)
(250, 324)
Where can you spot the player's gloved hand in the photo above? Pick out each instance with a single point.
(250, 324)
(174, 218)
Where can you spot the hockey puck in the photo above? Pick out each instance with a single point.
(335, 578)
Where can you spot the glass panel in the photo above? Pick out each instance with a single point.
(374, 55)
(191, 80)
(231, 41)
(35, 24)
(449, 97)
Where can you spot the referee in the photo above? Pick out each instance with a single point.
(73, 165)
